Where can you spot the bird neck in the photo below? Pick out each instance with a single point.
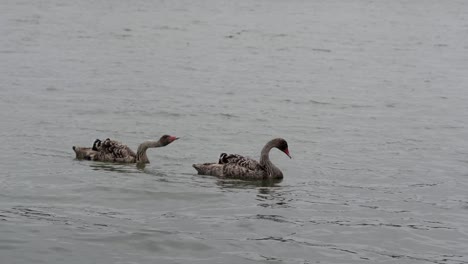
(265, 155)
(141, 152)
(270, 168)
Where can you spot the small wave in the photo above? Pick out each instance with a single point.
(33, 214)
(310, 244)
(280, 35)
(114, 167)
(170, 28)
(228, 116)
(435, 259)
(376, 223)
(322, 50)
(315, 102)
(274, 218)
(306, 48)
(422, 185)
(149, 241)
(52, 89)
(240, 184)
(356, 106)
(169, 114)
(318, 102)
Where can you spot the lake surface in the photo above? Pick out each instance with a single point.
(370, 95)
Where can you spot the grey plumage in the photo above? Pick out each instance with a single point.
(239, 167)
(240, 161)
(114, 151)
(84, 153)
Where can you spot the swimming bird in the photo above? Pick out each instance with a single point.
(114, 151)
(239, 167)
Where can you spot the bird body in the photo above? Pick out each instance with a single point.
(114, 151)
(239, 167)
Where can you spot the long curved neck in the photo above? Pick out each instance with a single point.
(141, 152)
(271, 169)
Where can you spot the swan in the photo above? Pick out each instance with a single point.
(114, 151)
(239, 167)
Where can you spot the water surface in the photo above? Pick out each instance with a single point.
(370, 95)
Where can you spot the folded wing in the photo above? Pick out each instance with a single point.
(241, 161)
(112, 150)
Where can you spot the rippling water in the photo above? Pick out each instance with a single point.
(370, 95)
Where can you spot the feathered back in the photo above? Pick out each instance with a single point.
(111, 150)
(239, 160)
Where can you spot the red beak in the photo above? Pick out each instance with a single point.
(172, 138)
(286, 151)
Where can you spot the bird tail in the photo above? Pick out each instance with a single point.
(212, 169)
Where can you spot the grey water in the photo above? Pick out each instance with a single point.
(370, 95)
